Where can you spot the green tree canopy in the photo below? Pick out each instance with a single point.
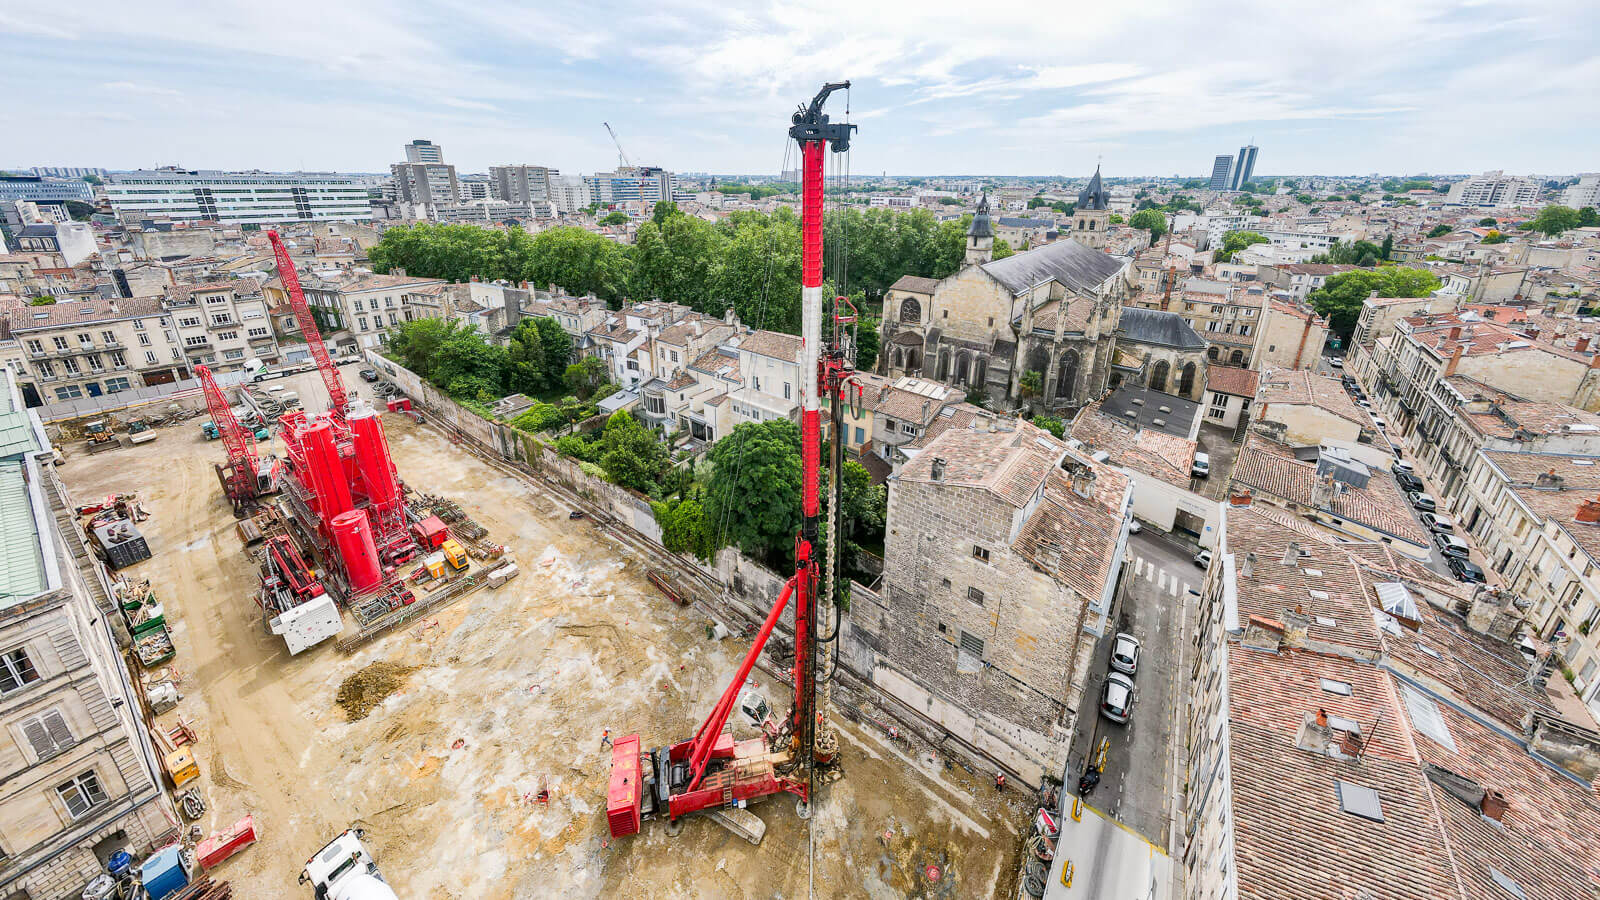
(615, 217)
(1152, 221)
(1495, 236)
(1554, 220)
(1588, 217)
(631, 454)
(1340, 298)
(1002, 249)
(1234, 241)
(1487, 221)
(753, 493)
(579, 262)
(1439, 231)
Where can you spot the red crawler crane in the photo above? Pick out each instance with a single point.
(338, 397)
(712, 770)
(240, 477)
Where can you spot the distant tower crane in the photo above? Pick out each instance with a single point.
(241, 479)
(711, 770)
(622, 158)
(338, 397)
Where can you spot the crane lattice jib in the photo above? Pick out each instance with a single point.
(242, 462)
(337, 396)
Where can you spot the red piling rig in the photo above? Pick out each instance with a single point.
(240, 477)
(712, 770)
(338, 397)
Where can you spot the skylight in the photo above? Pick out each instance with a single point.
(1359, 801)
(1341, 688)
(1425, 717)
(1429, 650)
(1507, 884)
(1397, 601)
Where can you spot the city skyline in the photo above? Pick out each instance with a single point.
(693, 89)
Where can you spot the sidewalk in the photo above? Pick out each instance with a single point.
(1104, 859)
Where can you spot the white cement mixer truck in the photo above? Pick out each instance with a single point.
(344, 870)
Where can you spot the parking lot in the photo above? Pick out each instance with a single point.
(1139, 788)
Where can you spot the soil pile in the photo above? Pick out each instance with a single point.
(367, 688)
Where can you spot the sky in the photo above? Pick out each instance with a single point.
(998, 87)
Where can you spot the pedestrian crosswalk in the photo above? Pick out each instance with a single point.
(1165, 582)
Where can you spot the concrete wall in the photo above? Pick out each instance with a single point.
(1156, 502)
(1307, 424)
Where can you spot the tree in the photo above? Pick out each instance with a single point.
(1358, 253)
(1234, 241)
(676, 259)
(753, 493)
(1588, 217)
(1439, 231)
(1053, 425)
(1341, 297)
(1030, 383)
(615, 217)
(685, 528)
(585, 375)
(867, 344)
(1387, 246)
(416, 343)
(1002, 249)
(1116, 220)
(1487, 221)
(1152, 221)
(631, 454)
(1554, 220)
(579, 262)
(542, 417)
(664, 210)
(1495, 236)
(525, 366)
(79, 210)
(466, 357)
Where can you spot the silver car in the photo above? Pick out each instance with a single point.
(1125, 653)
(1116, 698)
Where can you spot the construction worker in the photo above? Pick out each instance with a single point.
(999, 781)
(605, 738)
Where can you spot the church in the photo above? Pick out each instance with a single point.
(1055, 310)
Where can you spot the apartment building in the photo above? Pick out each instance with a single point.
(622, 339)
(73, 241)
(1003, 547)
(1363, 727)
(1537, 521)
(570, 193)
(93, 347)
(672, 351)
(222, 324)
(1226, 316)
(1379, 315)
(259, 198)
(522, 184)
(1300, 279)
(357, 309)
(78, 779)
(1494, 188)
(425, 186)
(423, 152)
(1586, 192)
(629, 183)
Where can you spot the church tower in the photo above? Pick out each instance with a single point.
(1092, 216)
(980, 235)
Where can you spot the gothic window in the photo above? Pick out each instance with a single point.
(980, 371)
(944, 365)
(910, 311)
(1236, 358)
(1082, 224)
(963, 362)
(1186, 381)
(913, 359)
(899, 359)
(1067, 381)
(1212, 353)
(1158, 376)
(1091, 224)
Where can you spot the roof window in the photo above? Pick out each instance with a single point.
(1342, 688)
(1359, 801)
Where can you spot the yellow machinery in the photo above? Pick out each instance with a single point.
(454, 554)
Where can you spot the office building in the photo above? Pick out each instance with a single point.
(43, 190)
(425, 185)
(1495, 188)
(522, 184)
(628, 183)
(421, 152)
(474, 187)
(236, 198)
(1221, 171)
(569, 193)
(68, 172)
(1244, 166)
(1585, 193)
(79, 779)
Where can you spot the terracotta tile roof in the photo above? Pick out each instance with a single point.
(1309, 388)
(955, 415)
(1012, 464)
(84, 312)
(774, 344)
(1163, 456)
(357, 283)
(680, 381)
(1233, 380)
(1267, 466)
(914, 284)
(693, 326)
(722, 365)
(1074, 537)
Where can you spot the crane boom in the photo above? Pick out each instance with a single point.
(621, 156)
(240, 475)
(338, 397)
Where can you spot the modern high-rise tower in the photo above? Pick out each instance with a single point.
(420, 151)
(1244, 166)
(1220, 172)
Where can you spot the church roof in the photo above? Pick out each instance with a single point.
(915, 284)
(1155, 326)
(1095, 196)
(1077, 267)
(981, 226)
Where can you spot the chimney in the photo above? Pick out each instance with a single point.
(1493, 613)
(1494, 805)
(1262, 633)
(1581, 344)
(1083, 480)
(398, 270)
(1588, 512)
(1240, 497)
(938, 468)
(1249, 566)
(1568, 745)
(1291, 555)
(1455, 359)
(1532, 333)
(1455, 332)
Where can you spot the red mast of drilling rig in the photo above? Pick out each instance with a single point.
(711, 770)
(338, 397)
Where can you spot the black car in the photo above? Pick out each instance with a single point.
(369, 375)
(1464, 570)
(1408, 483)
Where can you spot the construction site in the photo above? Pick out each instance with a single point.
(372, 626)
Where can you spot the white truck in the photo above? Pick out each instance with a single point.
(344, 870)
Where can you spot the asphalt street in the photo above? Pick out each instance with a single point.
(1137, 788)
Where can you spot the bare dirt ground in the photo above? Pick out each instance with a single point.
(507, 692)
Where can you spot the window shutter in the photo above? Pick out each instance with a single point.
(57, 726)
(39, 737)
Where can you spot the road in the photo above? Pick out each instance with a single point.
(1137, 789)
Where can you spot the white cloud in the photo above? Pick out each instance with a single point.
(129, 87)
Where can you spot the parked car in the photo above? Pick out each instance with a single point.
(1411, 484)
(1422, 502)
(1436, 522)
(1116, 698)
(369, 375)
(1202, 466)
(1363, 404)
(1450, 545)
(1337, 362)
(1401, 467)
(1379, 421)
(1134, 527)
(1464, 570)
(1125, 653)
(1203, 559)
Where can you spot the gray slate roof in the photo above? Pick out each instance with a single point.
(1077, 267)
(1154, 326)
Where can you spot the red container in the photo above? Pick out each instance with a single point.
(431, 532)
(352, 532)
(372, 458)
(218, 847)
(624, 795)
